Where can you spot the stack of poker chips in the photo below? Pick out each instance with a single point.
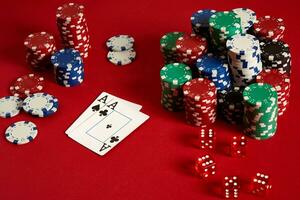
(39, 48)
(281, 82)
(222, 26)
(269, 27)
(168, 46)
(173, 76)
(200, 22)
(244, 58)
(200, 100)
(120, 50)
(260, 110)
(68, 67)
(216, 70)
(72, 25)
(232, 108)
(247, 16)
(276, 54)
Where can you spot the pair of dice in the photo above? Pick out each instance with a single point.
(206, 166)
(238, 144)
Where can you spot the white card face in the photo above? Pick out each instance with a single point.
(103, 99)
(103, 132)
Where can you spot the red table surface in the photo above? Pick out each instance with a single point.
(156, 160)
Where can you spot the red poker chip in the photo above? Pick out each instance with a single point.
(279, 80)
(199, 89)
(16, 94)
(39, 41)
(269, 27)
(70, 12)
(191, 44)
(29, 84)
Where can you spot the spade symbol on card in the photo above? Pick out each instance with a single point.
(114, 139)
(103, 112)
(108, 126)
(96, 108)
(104, 146)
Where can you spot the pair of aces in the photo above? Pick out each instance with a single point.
(106, 122)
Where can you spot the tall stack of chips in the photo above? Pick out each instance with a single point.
(244, 58)
(222, 26)
(281, 82)
(39, 48)
(247, 16)
(200, 100)
(200, 22)
(72, 25)
(276, 54)
(216, 70)
(68, 67)
(168, 46)
(269, 27)
(173, 76)
(260, 113)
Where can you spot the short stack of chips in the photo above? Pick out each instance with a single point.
(281, 82)
(72, 25)
(39, 48)
(247, 16)
(260, 112)
(200, 22)
(232, 108)
(121, 50)
(269, 27)
(173, 76)
(27, 85)
(276, 54)
(222, 26)
(244, 58)
(216, 70)
(168, 46)
(40, 104)
(68, 67)
(189, 48)
(200, 100)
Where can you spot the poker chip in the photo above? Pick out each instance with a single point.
(168, 46)
(200, 22)
(260, 110)
(281, 82)
(244, 59)
(73, 28)
(39, 47)
(68, 67)
(247, 16)
(200, 101)
(120, 43)
(121, 57)
(276, 55)
(29, 84)
(216, 70)
(10, 106)
(40, 104)
(21, 132)
(269, 27)
(173, 76)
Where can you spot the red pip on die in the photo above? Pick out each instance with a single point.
(205, 166)
(260, 184)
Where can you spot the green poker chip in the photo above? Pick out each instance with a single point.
(168, 41)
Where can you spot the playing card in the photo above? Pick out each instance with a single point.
(97, 104)
(103, 131)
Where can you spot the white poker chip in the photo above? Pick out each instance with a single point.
(247, 16)
(120, 43)
(121, 57)
(21, 132)
(10, 106)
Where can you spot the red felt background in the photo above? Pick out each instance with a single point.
(154, 162)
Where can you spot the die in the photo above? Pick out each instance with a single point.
(205, 166)
(238, 146)
(207, 138)
(260, 184)
(231, 187)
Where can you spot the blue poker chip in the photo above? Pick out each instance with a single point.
(66, 59)
(10, 106)
(21, 132)
(120, 43)
(201, 18)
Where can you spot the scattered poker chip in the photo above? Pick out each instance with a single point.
(29, 84)
(248, 17)
(21, 132)
(120, 43)
(121, 57)
(40, 104)
(269, 27)
(10, 106)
